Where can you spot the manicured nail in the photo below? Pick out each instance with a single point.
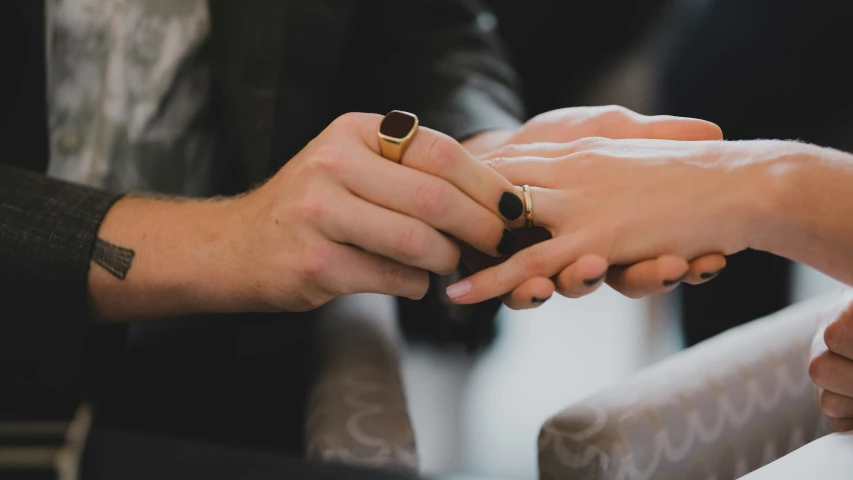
(591, 282)
(508, 243)
(708, 276)
(459, 289)
(669, 283)
(539, 301)
(510, 206)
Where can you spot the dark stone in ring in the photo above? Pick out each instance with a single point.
(397, 125)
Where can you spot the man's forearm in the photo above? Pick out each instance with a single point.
(161, 258)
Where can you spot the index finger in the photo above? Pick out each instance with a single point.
(437, 154)
(545, 259)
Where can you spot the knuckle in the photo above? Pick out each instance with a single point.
(441, 152)
(393, 276)
(587, 143)
(835, 335)
(533, 261)
(310, 209)
(829, 405)
(832, 337)
(431, 199)
(315, 299)
(448, 262)
(412, 243)
(509, 151)
(329, 158)
(397, 277)
(496, 162)
(349, 121)
(316, 262)
(616, 113)
(819, 370)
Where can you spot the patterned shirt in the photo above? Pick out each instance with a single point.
(128, 94)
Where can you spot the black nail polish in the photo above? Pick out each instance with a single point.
(508, 243)
(669, 283)
(591, 282)
(539, 301)
(510, 206)
(710, 275)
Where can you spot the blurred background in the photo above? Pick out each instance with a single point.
(759, 69)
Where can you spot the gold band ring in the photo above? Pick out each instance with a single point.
(395, 133)
(528, 205)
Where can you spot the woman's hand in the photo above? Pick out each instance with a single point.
(610, 121)
(831, 367)
(626, 201)
(568, 124)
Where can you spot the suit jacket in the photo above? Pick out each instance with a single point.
(283, 71)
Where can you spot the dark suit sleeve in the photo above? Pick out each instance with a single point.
(47, 230)
(442, 59)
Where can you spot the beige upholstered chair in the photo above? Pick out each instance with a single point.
(718, 410)
(357, 413)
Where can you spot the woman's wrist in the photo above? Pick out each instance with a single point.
(780, 213)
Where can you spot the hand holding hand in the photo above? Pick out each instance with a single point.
(650, 276)
(626, 201)
(339, 219)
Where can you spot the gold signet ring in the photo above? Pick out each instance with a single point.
(528, 205)
(396, 132)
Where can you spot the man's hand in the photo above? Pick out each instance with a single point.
(831, 367)
(337, 219)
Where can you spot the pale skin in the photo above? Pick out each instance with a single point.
(655, 275)
(831, 367)
(339, 219)
(625, 200)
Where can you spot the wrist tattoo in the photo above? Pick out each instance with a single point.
(112, 258)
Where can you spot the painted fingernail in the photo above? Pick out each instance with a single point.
(459, 289)
(590, 282)
(710, 275)
(508, 243)
(539, 301)
(510, 206)
(669, 283)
